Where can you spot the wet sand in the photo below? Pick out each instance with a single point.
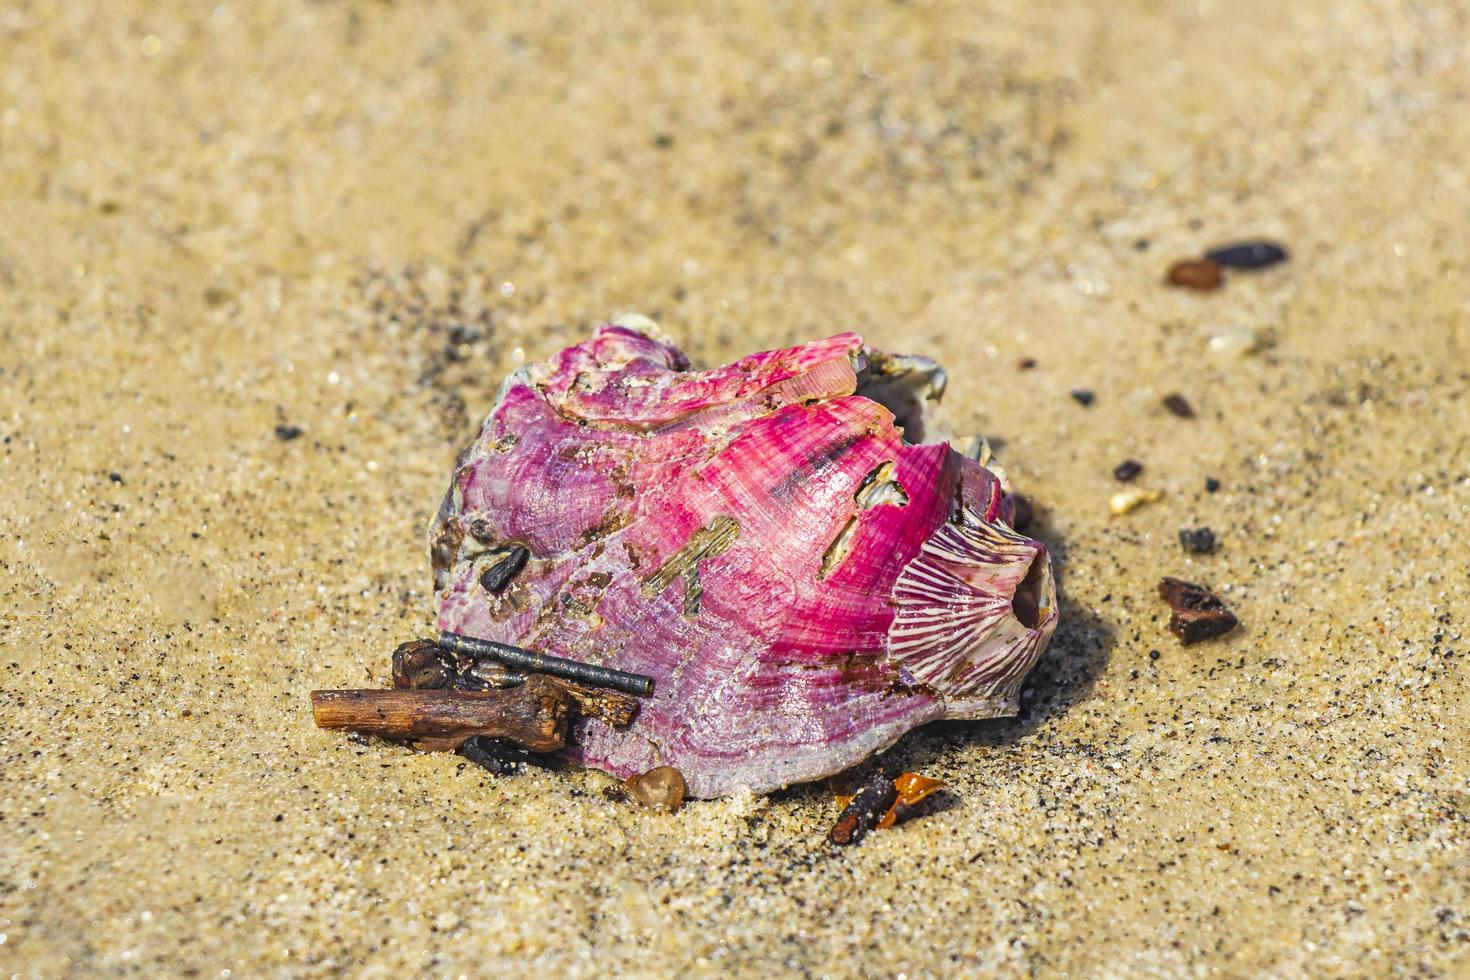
(354, 218)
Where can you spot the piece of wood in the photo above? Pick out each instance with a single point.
(533, 715)
(614, 708)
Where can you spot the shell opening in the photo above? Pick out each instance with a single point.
(910, 387)
(1032, 599)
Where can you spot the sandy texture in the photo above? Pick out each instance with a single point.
(355, 217)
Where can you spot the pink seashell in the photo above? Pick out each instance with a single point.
(804, 585)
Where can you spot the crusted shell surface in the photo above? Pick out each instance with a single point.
(804, 583)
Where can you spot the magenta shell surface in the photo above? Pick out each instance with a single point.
(803, 585)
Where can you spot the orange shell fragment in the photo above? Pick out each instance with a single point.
(912, 787)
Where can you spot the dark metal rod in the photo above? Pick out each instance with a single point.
(543, 663)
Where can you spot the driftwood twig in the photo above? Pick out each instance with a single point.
(533, 715)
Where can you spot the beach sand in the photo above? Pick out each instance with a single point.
(356, 217)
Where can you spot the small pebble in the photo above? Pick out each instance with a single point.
(1248, 255)
(1129, 500)
(497, 577)
(115, 477)
(1201, 275)
(1083, 397)
(1211, 484)
(286, 433)
(1026, 363)
(1197, 541)
(864, 810)
(1178, 406)
(421, 665)
(497, 755)
(1197, 613)
(1127, 470)
(1235, 340)
(660, 789)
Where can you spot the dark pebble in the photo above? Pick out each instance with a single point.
(286, 433)
(1026, 363)
(497, 755)
(115, 477)
(1083, 397)
(1127, 470)
(1199, 274)
(1153, 655)
(495, 578)
(867, 807)
(1211, 484)
(1197, 613)
(421, 665)
(1178, 406)
(1197, 541)
(1247, 255)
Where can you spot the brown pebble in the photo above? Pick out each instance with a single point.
(660, 789)
(421, 665)
(1197, 613)
(1199, 274)
(1026, 363)
(1178, 406)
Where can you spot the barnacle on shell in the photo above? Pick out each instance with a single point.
(788, 544)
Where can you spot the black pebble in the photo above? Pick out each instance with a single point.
(1248, 255)
(1197, 541)
(1211, 484)
(286, 433)
(1153, 655)
(495, 578)
(1127, 470)
(1082, 396)
(497, 755)
(869, 803)
(1178, 406)
(115, 477)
